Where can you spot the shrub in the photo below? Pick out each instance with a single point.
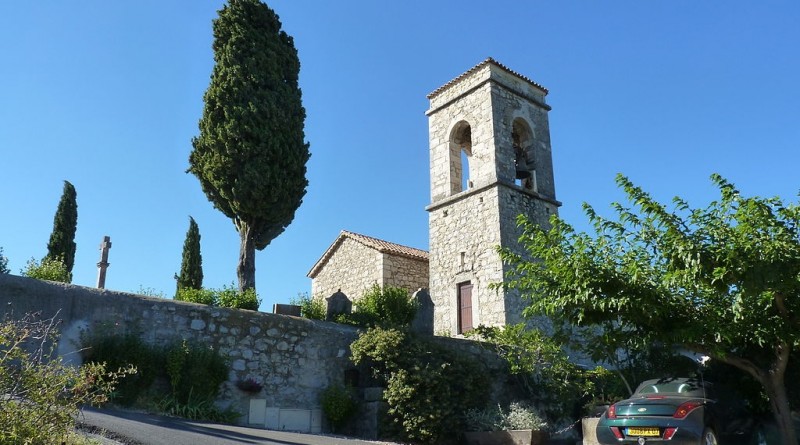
(388, 306)
(150, 292)
(124, 350)
(428, 387)
(195, 409)
(40, 396)
(338, 404)
(228, 296)
(313, 308)
(541, 367)
(52, 269)
(201, 296)
(231, 297)
(194, 372)
(519, 416)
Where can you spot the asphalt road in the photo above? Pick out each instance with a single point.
(145, 429)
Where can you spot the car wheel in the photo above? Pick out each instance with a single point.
(709, 437)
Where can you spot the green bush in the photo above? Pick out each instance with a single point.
(313, 308)
(195, 409)
(339, 405)
(201, 296)
(388, 306)
(51, 269)
(120, 351)
(519, 416)
(228, 296)
(541, 367)
(428, 387)
(41, 395)
(194, 372)
(231, 297)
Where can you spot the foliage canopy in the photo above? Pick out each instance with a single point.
(723, 281)
(250, 155)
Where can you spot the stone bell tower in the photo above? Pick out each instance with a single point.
(490, 161)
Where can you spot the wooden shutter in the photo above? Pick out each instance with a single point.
(464, 307)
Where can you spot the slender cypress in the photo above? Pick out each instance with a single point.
(191, 276)
(65, 223)
(251, 154)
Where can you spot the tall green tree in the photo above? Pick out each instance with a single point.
(722, 281)
(62, 240)
(3, 263)
(191, 276)
(251, 154)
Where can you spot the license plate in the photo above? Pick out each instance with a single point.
(646, 432)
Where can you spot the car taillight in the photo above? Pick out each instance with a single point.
(617, 432)
(685, 409)
(669, 432)
(611, 413)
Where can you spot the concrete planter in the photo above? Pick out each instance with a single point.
(589, 425)
(511, 437)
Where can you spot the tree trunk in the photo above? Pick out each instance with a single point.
(779, 403)
(246, 270)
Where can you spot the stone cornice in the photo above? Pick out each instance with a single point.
(467, 193)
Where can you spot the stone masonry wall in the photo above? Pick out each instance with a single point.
(353, 268)
(294, 358)
(467, 226)
(400, 271)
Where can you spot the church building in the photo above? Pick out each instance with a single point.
(490, 161)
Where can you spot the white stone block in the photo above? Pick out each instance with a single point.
(258, 412)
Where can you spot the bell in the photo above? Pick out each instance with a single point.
(523, 174)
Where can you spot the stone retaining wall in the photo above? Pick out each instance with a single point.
(294, 358)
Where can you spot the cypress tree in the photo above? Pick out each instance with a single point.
(62, 240)
(191, 276)
(250, 156)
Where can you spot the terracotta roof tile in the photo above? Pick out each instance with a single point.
(374, 243)
(479, 66)
(387, 247)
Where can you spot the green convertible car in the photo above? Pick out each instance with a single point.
(679, 411)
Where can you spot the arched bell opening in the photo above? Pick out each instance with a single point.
(460, 157)
(524, 162)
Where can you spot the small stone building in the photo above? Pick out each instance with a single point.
(354, 263)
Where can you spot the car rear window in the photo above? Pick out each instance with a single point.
(686, 388)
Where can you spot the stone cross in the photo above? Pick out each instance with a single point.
(103, 264)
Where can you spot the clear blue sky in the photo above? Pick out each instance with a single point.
(107, 95)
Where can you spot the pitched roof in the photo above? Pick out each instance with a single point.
(374, 243)
(479, 66)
